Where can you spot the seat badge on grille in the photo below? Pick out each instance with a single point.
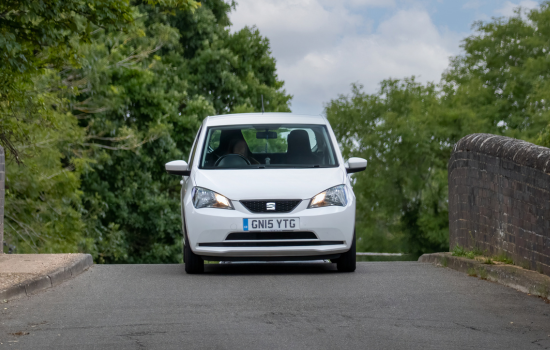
(270, 206)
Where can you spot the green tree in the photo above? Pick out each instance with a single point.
(231, 71)
(403, 131)
(43, 208)
(44, 211)
(43, 200)
(36, 36)
(502, 77)
(143, 97)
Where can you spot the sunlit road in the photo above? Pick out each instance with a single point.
(385, 305)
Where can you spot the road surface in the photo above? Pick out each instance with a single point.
(383, 305)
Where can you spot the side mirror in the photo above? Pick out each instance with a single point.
(355, 165)
(177, 167)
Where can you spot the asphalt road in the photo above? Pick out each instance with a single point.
(385, 305)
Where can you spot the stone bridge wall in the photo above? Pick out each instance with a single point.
(499, 198)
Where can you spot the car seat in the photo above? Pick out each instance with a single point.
(299, 149)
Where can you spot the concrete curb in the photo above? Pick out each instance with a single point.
(526, 281)
(54, 278)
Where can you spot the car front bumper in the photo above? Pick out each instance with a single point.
(208, 229)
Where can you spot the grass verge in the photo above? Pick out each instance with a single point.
(476, 252)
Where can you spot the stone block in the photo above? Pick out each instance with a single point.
(59, 276)
(38, 284)
(81, 265)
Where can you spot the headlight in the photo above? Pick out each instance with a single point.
(203, 198)
(334, 196)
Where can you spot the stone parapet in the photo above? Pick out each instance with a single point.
(499, 198)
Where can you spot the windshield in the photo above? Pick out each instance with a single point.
(267, 146)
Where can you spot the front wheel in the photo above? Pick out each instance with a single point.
(346, 262)
(193, 262)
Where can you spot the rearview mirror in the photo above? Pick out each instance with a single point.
(177, 167)
(266, 135)
(355, 165)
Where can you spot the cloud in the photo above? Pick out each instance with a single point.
(405, 45)
(372, 3)
(321, 49)
(509, 7)
(296, 27)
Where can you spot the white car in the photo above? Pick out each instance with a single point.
(267, 187)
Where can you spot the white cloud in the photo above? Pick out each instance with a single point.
(405, 45)
(321, 50)
(295, 27)
(372, 3)
(509, 7)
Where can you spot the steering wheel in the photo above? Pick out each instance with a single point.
(232, 155)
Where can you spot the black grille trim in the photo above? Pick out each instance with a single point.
(259, 236)
(270, 244)
(281, 205)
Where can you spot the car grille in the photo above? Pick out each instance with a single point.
(281, 206)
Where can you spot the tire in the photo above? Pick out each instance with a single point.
(346, 262)
(193, 262)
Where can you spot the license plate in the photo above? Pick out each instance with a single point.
(279, 224)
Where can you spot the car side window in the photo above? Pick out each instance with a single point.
(312, 138)
(214, 141)
(194, 149)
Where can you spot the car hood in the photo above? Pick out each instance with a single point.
(269, 183)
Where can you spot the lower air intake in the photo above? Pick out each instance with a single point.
(260, 236)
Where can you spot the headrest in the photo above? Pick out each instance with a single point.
(298, 140)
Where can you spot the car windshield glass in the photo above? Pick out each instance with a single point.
(267, 146)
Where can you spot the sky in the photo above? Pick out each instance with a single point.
(323, 46)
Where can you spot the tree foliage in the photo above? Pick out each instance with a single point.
(405, 132)
(38, 39)
(43, 197)
(36, 36)
(142, 100)
(503, 75)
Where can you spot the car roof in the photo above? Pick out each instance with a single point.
(264, 118)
